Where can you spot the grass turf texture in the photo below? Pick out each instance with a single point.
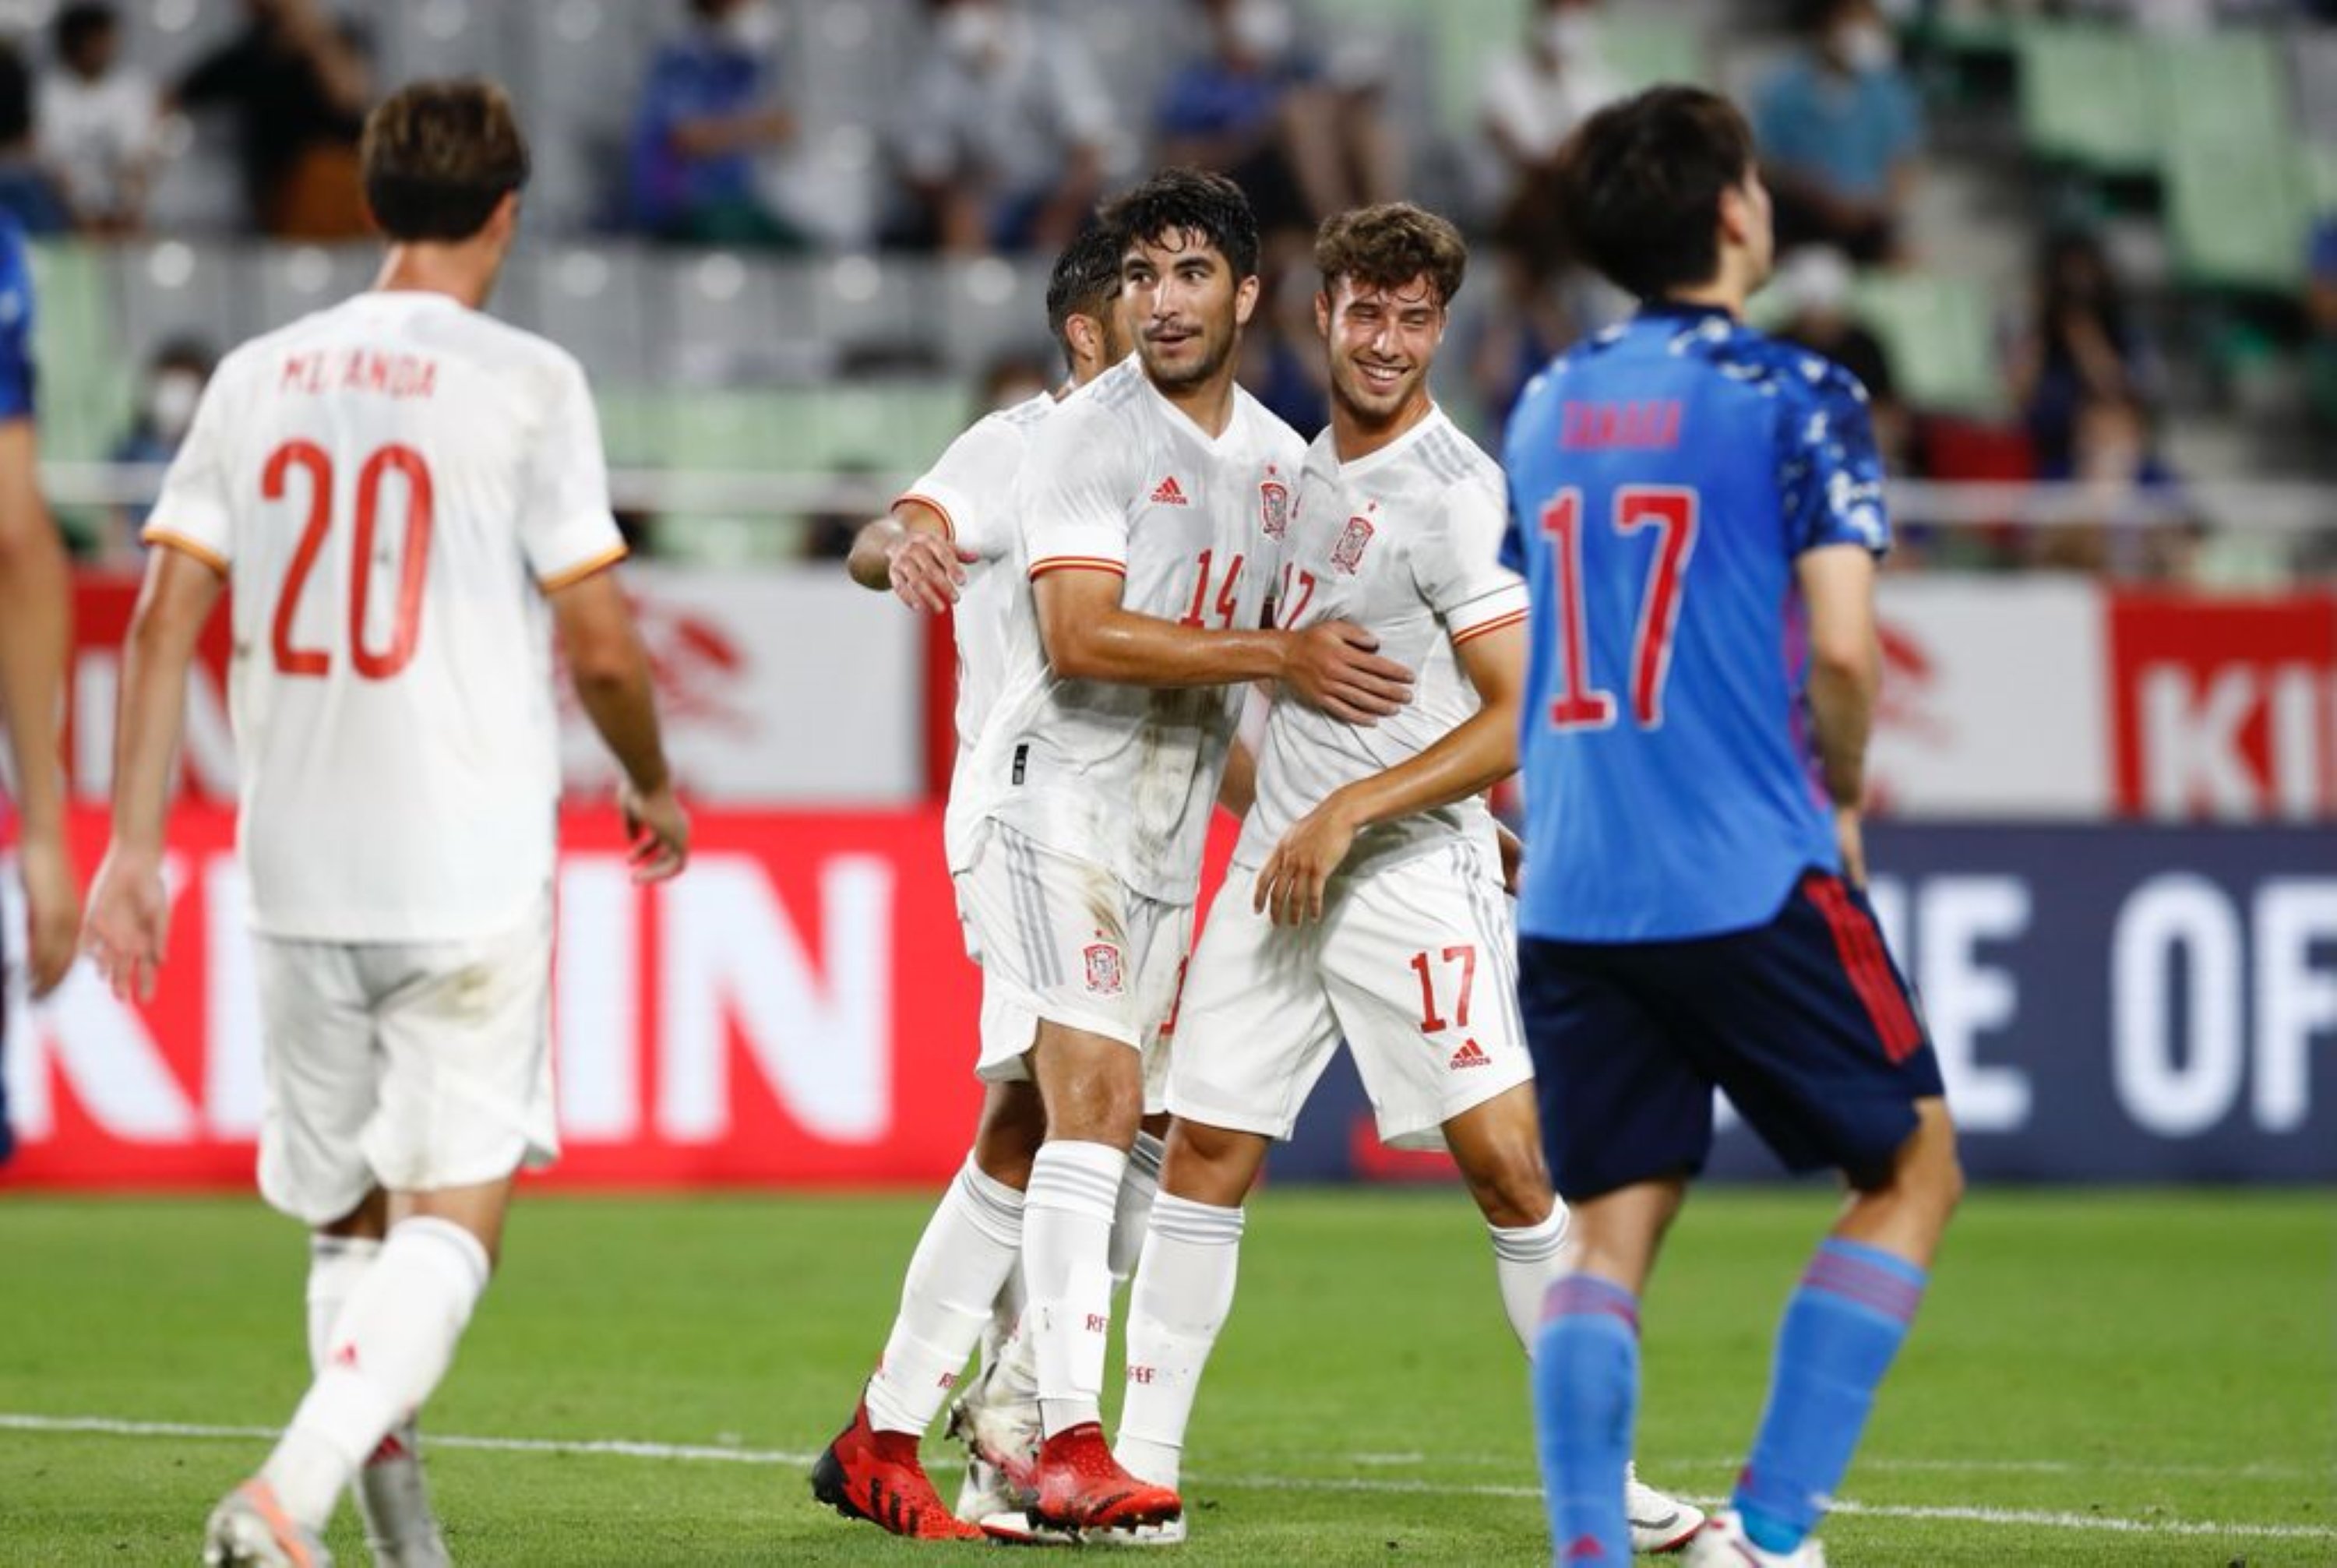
(2157, 1358)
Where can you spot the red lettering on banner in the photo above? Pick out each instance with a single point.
(2225, 709)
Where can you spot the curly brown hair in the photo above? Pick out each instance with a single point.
(1388, 246)
(439, 156)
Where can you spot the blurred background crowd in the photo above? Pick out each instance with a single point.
(2084, 255)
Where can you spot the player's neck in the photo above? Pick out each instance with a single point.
(1354, 437)
(458, 271)
(1723, 293)
(1208, 403)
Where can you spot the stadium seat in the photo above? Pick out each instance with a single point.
(592, 299)
(2235, 177)
(991, 309)
(85, 380)
(2087, 97)
(424, 38)
(166, 289)
(1940, 337)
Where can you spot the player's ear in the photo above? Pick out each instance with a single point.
(1246, 299)
(502, 223)
(1735, 216)
(1323, 314)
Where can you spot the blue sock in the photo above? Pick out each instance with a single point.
(1842, 1329)
(1585, 1390)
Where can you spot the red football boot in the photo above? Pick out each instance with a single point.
(1083, 1487)
(874, 1476)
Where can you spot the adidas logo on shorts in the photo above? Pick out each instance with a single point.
(1471, 1055)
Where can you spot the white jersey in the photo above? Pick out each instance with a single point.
(1406, 543)
(972, 485)
(390, 486)
(1122, 480)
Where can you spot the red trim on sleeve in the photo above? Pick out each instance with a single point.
(949, 523)
(1077, 563)
(1495, 624)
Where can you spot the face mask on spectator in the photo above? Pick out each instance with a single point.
(1570, 33)
(972, 30)
(755, 27)
(170, 403)
(1264, 29)
(1867, 46)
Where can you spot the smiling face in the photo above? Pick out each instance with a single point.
(1186, 307)
(1382, 340)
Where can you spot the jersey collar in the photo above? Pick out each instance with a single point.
(1370, 462)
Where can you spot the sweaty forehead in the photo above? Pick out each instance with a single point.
(1165, 250)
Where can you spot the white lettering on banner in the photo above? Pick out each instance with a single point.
(233, 1092)
(1963, 998)
(731, 952)
(2296, 752)
(596, 1013)
(2191, 738)
(100, 1046)
(2296, 999)
(2176, 918)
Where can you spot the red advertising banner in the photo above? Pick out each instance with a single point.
(796, 1009)
(2224, 708)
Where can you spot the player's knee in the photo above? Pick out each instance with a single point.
(1512, 1190)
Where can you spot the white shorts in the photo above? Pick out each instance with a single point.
(1065, 940)
(1415, 965)
(408, 1066)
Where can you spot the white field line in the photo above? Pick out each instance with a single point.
(626, 1448)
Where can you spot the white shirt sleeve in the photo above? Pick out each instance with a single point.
(1458, 568)
(972, 485)
(1074, 494)
(192, 514)
(565, 526)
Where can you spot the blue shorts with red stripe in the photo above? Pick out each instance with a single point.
(1805, 1022)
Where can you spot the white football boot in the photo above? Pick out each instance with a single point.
(1167, 1532)
(250, 1529)
(1722, 1544)
(1001, 1438)
(1659, 1522)
(395, 1505)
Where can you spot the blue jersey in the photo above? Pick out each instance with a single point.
(1662, 478)
(16, 324)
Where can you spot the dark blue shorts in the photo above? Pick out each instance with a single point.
(1805, 1022)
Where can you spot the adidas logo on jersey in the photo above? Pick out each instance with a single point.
(1169, 493)
(1471, 1055)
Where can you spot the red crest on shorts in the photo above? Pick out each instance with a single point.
(1274, 508)
(1348, 553)
(1103, 968)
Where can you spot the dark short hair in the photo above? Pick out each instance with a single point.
(439, 155)
(1638, 186)
(15, 95)
(1084, 281)
(1388, 246)
(1188, 200)
(82, 23)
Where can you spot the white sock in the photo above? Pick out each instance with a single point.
(392, 1342)
(390, 1494)
(336, 1264)
(1067, 1266)
(1525, 1261)
(1005, 1323)
(1133, 1217)
(1184, 1288)
(967, 1251)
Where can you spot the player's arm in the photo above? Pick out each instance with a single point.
(909, 551)
(129, 910)
(1838, 583)
(610, 672)
(35, 633)
(1468, 759)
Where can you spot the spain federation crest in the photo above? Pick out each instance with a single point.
(1103, 968)
(1348, 553)
(1274, 508)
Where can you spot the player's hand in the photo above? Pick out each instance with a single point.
(1337, 666)
(1513, 858)
(926, 570)
(1290, 884)
(128, 930)
(658, 832)
(1850, 837)
(52, 909)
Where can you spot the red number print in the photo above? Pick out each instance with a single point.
(1577, 706)
(406, 625)
(1228, 594)
(1673, 513)
(1431, 1022)
(273, 480)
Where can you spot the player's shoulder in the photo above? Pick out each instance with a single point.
(500, 345)
(1801, 377)
(1269, 432)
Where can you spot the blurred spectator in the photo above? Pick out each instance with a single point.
(175, 378)
(1815, 284)
(2084, 346)
(1839, 134)
(297, 83)
(1015, 380)
(1283, 363)
(26, 191)
(2321, 320)
(1260, 107)
(2130, 519)
(95, 121)
(1006, 128)
(708, 111)
(1535, 95)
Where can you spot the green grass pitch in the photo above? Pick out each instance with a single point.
(2097, 1377)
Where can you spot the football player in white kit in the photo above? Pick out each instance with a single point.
(1149, 511)
(406, 497)
(948, 544)
(1366, 900)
